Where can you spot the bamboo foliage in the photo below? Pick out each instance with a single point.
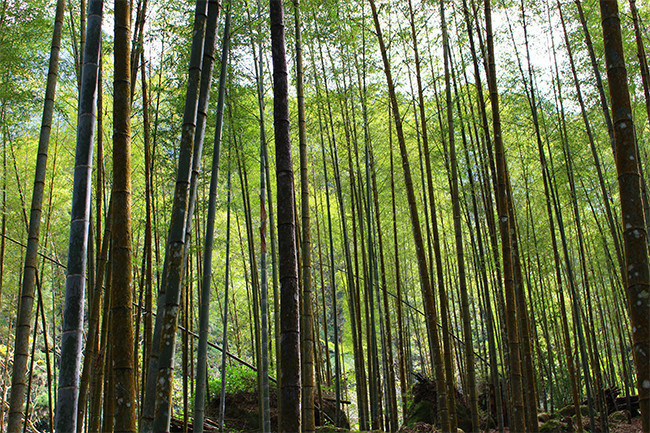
(505, 223)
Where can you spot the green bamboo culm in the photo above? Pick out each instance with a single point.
(23, 323)
(224, 344)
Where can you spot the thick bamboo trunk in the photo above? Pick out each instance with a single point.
(634, 233)
(122, 305)
(72, 332)
(157, 405)
(290, 374)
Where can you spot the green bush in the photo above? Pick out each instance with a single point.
(238, 379)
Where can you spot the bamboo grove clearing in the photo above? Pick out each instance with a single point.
(299, 216)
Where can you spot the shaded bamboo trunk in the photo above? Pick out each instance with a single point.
(121, 307)
(634, 233)
(290, 374)
(157, 413)
(92, 342)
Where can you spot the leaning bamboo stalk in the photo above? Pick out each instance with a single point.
(161, 367)
(23, 324)
(204, 312)
(427, 292)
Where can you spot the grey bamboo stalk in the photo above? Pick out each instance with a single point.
(289, 416)
(97, 361)
(264, 301)
(72, 332)
(166, 320)
(224, 344)
(634, 233)
(200, 70)
(332, 264)
(23, 323)
(306, 323)
(204, 313)
(122, 346)
(93, 324)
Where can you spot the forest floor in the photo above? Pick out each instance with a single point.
(633, 427)
(624, 427)
(245, 424)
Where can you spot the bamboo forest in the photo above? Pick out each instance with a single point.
(324, 216)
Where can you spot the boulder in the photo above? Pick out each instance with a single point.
(424, 405)
(553, 426)
(619, 417)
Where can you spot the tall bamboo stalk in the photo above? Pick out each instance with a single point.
(161, 366)
(23, 324)
(206, 285)
(289, 416)
(427, 292)
(306, 323)
(634, 232)
(72, 332)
